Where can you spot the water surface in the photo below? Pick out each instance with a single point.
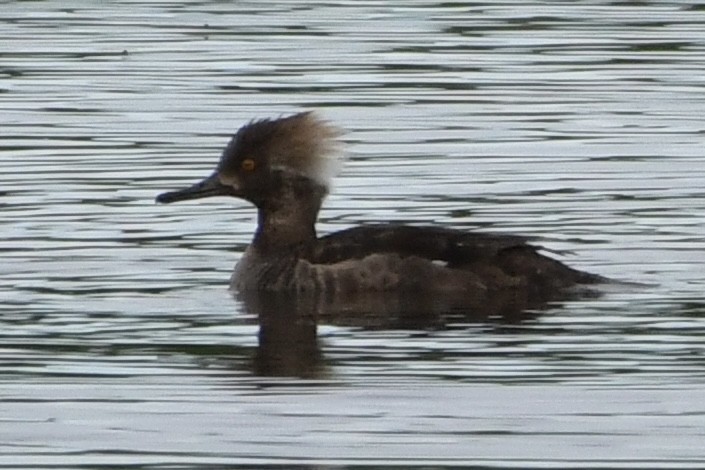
(578, 124)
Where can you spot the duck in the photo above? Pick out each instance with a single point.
(284, 167)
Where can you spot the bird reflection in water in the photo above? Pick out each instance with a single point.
(288, 324)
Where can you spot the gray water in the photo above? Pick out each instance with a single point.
(578, 123)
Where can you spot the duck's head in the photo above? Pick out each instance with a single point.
(267, 155)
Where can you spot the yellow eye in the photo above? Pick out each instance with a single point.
(248, 164)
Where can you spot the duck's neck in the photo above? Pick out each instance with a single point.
(287, 216)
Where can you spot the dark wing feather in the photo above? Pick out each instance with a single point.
(434, 243)
(501, 261)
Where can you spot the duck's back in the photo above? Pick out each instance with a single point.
(413, 259)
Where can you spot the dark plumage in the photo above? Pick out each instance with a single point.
(284, 166)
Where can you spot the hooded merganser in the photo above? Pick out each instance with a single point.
(284, 167)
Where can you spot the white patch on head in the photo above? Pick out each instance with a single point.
(328, 163)
(308, 146)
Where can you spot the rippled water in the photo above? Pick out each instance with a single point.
(580, 123)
